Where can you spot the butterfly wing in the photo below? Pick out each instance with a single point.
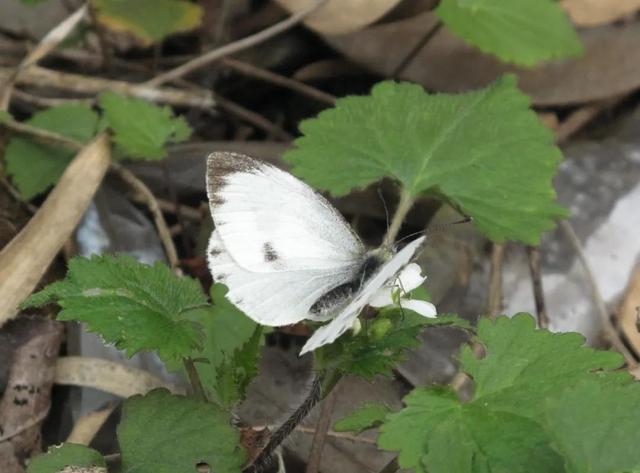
(270, 221)
(344, 320)
(278, 245)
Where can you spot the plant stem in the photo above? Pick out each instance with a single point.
(194, 379)
(405, 204)
(314, 396)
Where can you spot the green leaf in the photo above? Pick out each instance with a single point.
(163, 433)
(67, 454)
(150, 20)
(32, 2)
(365, 417)
(135, 306)
(34, 167)
(595, 426)
(524, 32)
(485, 152)
(231, 348)
(237, 370)
(141, 129)
(538, 405)
(372, 352)
(522, 363)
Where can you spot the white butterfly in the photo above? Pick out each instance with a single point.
(286, 254)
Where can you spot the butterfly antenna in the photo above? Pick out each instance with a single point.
(437, 228)
(384, 204)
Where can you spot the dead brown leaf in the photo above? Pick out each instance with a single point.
(341, 16)
(609, 67)
(629, 312)
(108, 376)
(26, 399)
(26, 258)
(598, 12)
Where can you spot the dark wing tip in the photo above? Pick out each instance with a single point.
(221, 164)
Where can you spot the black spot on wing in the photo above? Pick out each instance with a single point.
(213, 252)
(270, 253)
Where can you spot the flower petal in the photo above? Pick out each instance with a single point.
(382, 297)
(424, 308)
(411, 277)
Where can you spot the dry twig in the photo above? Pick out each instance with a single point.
(609, 330)
(533, 256)
(280, 80)
(322, 429)
(46, 45)
(234, 47)
(144, 194)
(46, 78)
(495, 280)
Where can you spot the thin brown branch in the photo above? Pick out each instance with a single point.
(533, 256)
(609, 330)
(146, 196)
(50, 41)
(331, 433)
(46, 102)
(322, 429)
(254, 118)
(84, 85)
(279, 80)
(41, 135)
(411, 55)
(234, 47)
(495, 280)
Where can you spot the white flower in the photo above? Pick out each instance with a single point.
(396, 294)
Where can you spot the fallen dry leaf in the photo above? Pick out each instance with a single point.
(87, 426)
(27, 397)
(609, 67)
(341, 16)
(630, 310)
(598, 12)
(28, 255)
(108, 376)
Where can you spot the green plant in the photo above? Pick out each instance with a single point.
(536, 393)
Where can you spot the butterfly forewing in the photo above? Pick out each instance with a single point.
(270, 221)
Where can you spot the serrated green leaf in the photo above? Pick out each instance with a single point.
(237, 370)
(519, 358)
(485, 152)
(150, 20)
(163, 433)
(537, 406)
(133, 305)
(365, 417)
(67, 454)
(594, 426)
(524, 32)
(231, 348)
(141, 129)
(370, 354)
(34, 167)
